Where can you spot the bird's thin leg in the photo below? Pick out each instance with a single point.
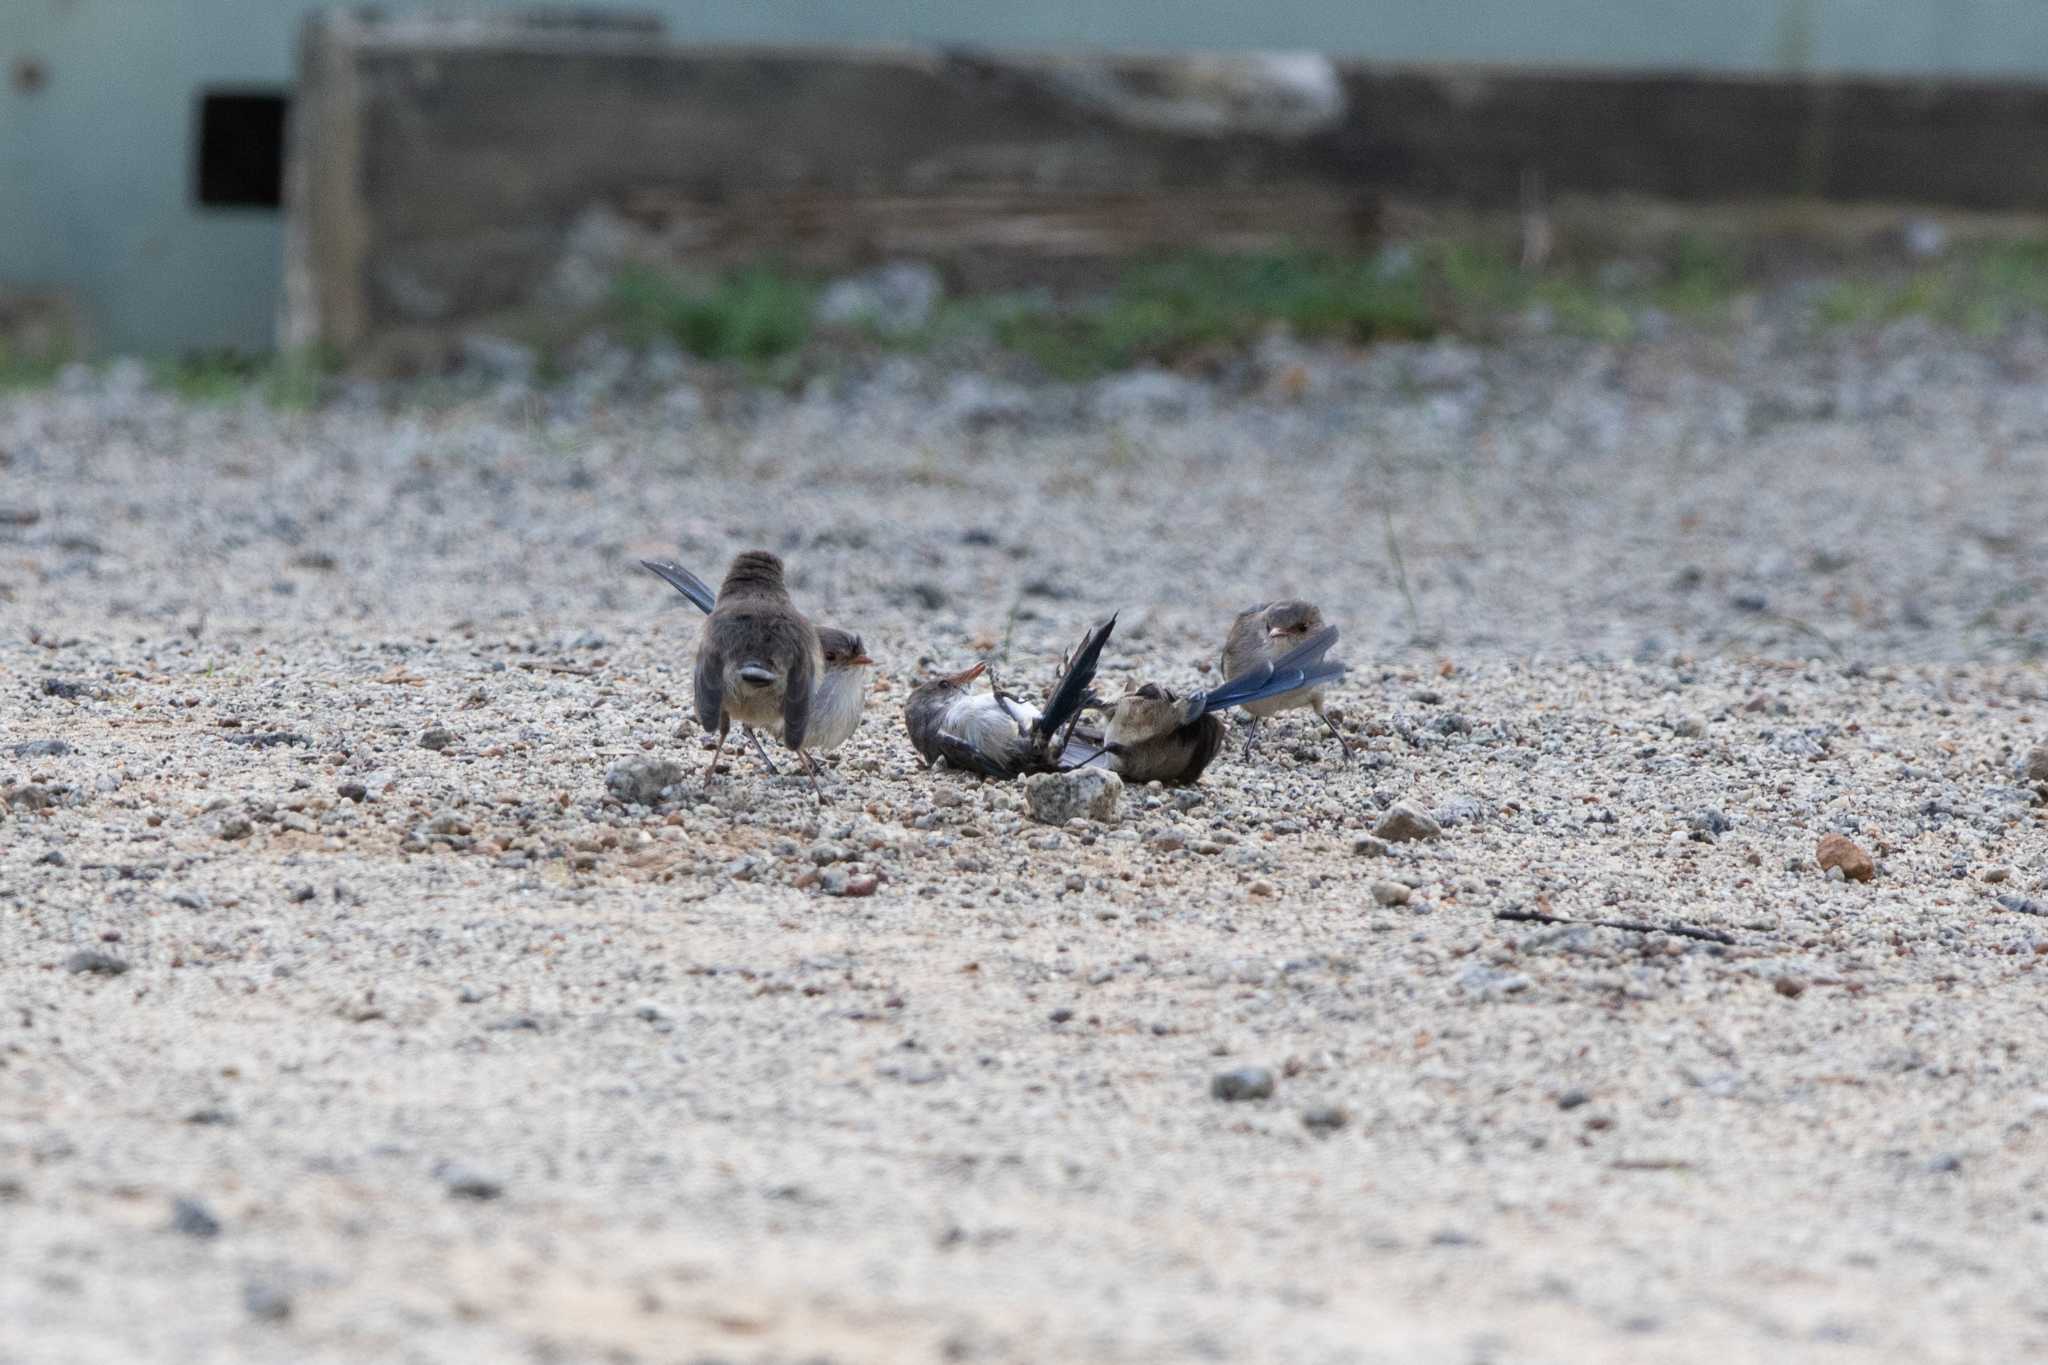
(723, 726)
(1342, 742)
(761, 749)
(812, 768)
(1251, 735)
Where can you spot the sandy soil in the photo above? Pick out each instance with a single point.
(452, 1056)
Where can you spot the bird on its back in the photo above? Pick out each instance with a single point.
(997, 733)
(757, 659)
(1262, 634)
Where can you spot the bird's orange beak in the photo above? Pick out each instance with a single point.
(967, 676)
(860, 661)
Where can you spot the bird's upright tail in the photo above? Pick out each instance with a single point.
(1074, 687)
(1302, 666)
(683, 581)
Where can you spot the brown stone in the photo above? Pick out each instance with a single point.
(1838, 850)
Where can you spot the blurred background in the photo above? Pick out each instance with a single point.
(143, 198)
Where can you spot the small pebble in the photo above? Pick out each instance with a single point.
(92, 962)
(463, 1182)
(1391, 892)
(266, 1302)
(1244, 1083)
(194, 1219)
(1839, 851)
(1324, 1119)
(1403, 823)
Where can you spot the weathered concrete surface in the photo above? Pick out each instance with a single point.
(444, 168)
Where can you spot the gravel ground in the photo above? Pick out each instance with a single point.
(347, 1013)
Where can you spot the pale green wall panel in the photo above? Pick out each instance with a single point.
(96, 167)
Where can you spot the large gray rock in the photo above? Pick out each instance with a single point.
(641, 781)
(1403, 823)
(1091, 793)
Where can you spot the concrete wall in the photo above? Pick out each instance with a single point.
(96, 163)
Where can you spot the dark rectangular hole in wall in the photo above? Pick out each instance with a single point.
(241, 148)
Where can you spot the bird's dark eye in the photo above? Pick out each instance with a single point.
(1150, 692)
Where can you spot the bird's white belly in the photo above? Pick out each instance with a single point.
(987, 726)
(836, 708)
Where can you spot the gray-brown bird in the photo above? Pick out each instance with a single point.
(757, 660)
(1262, 634)
(1156, 735)
(840, 690)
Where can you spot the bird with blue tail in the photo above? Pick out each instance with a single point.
(1154, 735)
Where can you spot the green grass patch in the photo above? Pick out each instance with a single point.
(1479, 284)
(1170, 309)
(756, 315)
(1166, 309)
(228, 375)
(1980, 290)
(18, 372)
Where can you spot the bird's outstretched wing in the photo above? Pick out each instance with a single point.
(1302, 666)
(960, 753)
(1073, 689)
(708, 688)
(796, 700)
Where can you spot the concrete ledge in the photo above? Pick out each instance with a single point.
(442, 171)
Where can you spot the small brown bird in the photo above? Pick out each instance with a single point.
(840, 691)
(757, 660)
(1261, 634)
(1155, 735)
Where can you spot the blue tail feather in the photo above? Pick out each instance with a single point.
(1303, 666)
(683, 581)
